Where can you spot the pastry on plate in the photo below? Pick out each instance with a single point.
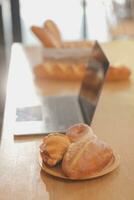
(53, 148)
(86, 157)
(80, 154)
(79, 131)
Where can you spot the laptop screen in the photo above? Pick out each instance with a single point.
(96, 69)
(58, 112)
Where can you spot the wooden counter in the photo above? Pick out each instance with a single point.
(20, 174)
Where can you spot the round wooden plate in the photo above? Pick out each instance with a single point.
(57, 171)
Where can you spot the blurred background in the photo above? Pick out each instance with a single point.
(102, 20)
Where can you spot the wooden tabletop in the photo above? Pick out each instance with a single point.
(20, 174)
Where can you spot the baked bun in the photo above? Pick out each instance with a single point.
(78, 131)
(53, 148)
(85, 158)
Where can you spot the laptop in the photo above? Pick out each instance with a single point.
(57, 113)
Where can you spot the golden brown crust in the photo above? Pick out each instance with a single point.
(38, 31)
(52, 29)
(119, 73)
(85, 158)
(65, 71)
(60, 71)
(39, 71)
(47, 39)
(81, 152)
(78, 131)
(53, 148)
(50, 37)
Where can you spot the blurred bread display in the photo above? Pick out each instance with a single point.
(46, 37)
(51, 38)
(60, 71)
(65, 71)
(118, 73)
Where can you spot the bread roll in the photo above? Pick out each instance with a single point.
(53, 148)
(78, 131)
(85, 158)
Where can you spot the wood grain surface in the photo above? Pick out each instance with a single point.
(20, 174)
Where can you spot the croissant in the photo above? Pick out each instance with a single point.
(86, 157)
(53, 148)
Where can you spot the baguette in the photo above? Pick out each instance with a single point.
(76, 71)
(52, 29)
(46, 38)
(60, 71)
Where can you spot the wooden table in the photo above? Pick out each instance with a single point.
(20, 174)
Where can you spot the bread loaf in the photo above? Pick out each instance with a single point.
(86, 157)
(60, 71)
